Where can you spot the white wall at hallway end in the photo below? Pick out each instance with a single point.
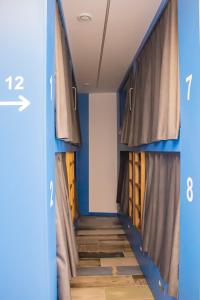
(102, 152)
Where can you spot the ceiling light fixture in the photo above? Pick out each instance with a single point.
(85, 17)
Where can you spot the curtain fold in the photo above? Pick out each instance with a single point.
(156, 111)
(67, 121)
(67, 255)
(129, 106)
(160, 230)
(123, 184)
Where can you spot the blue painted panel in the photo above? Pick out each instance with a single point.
(161, 146)
(149, 269)
(50, 154)
(190, 144)
(61, 146)
(82, 162)
(27, 230)
(102, 214)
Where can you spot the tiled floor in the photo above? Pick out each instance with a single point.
(116, 277)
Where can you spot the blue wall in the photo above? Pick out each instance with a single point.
(189, 44)
(82, 162)
(27, 220)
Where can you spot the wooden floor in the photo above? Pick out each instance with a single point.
(108, 269)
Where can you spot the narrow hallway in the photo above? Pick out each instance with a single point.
(108, 269)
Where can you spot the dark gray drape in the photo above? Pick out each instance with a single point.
(67, 121)
(67, 255)
(129, 106)
(123, 184)
(155, 113)
(160, 230)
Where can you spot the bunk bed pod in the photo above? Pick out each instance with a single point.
(155, 114)
(67, 254)
(67, 121)
(160, 228)
(154, 207)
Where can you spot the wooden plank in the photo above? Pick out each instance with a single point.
(120, 261)
(89, 263)
(136, 219)
(128, 253)
(130, 185)
(101, 247)
(94, 271)
(69, 158)
(143, 179)
(129, 293)
(96, 255)
(100, 232)
(129, 270)
(105, 281)
(102, 238)
(93, 220)
(97, 226)
(88, 294)
(103, 242)
(139, 280)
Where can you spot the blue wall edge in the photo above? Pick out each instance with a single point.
(82, 156)
(61, 146)
(147, 266)
(160, 146)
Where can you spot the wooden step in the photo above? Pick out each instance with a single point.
(101, 281)
(100, 232)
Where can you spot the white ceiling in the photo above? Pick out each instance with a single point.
(127, 23)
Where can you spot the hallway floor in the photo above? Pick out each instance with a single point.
(108, 269)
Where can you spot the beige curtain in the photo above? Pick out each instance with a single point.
(156, 113)
(67, 255)
(67, 121)
(160, 230)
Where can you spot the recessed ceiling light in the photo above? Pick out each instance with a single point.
(86, 84)
(85, 17)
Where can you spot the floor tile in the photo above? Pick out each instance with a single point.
(88, 294)
(129, 293)
(128, 253)
(100, 232)
(128, 270)
(121, 261)
(102, 247)
(93, 271)
(89, 263)
(102, 281)
(107, 254)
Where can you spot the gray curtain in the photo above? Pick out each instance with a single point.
(123, 184)
(129, 106)
(156, 113)
(67, 255)
(67, 120)
(160, 230)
